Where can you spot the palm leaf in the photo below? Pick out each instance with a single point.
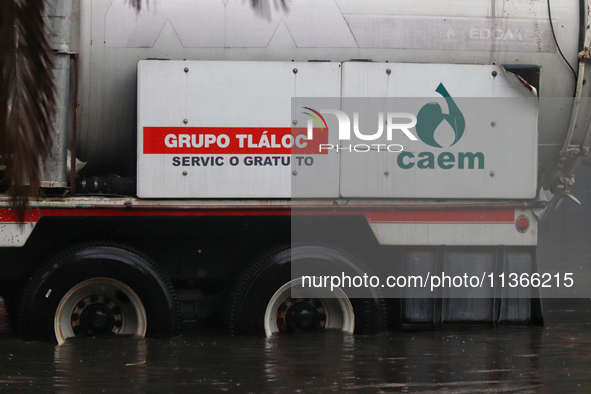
(27, 103)
(261, 7)
(137, 4)
(27, 93)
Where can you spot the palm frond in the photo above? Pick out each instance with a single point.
(263, 7)
(137, 4)
(27, 98)
(27, 93)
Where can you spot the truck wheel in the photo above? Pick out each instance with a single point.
(95, 290)
(261, 304)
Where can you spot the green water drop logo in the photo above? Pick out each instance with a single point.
(431, 116)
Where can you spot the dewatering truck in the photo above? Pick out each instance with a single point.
(307, 165)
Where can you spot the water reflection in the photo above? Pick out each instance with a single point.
(111, 363)
(454, 359)
(308, 362)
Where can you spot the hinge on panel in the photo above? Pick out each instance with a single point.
(585, 54)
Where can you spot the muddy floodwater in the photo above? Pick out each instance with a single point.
(453, 359)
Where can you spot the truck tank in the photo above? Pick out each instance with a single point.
(113, 37)
(232, 240)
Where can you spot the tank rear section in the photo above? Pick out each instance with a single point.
(516, 34)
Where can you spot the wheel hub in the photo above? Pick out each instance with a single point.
(96, 315)
(301, 314)
(97, 318)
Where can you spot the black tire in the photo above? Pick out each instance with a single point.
(55, 279)
(254, 288)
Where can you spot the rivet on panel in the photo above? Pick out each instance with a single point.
(185, 121)
(388, 71)
(186, 69)
(295, 70)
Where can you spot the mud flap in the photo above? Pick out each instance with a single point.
(497, 304)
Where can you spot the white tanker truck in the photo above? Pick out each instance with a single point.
(234, 171)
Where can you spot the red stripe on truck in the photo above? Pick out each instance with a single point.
(233, 140)
(448, 216)
(8, 216)
(497, 216)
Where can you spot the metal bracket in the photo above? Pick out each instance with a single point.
(585, 54)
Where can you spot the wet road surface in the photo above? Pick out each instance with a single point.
(453, 359)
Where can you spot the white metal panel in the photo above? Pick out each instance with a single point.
(15, 234)
(501, 118)
(316, 173)
(232, 99)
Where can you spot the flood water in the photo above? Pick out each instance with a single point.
(453, 359)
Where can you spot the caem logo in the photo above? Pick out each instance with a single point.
(431, 116)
